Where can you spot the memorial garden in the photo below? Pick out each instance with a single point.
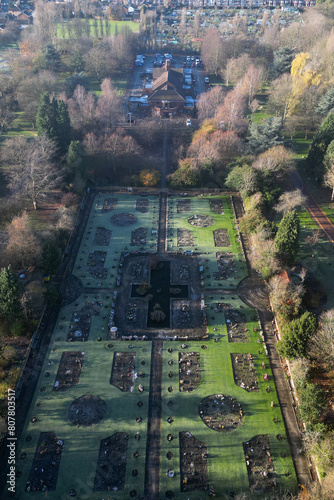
(156, 283)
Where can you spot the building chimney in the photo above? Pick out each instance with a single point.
(167, 65)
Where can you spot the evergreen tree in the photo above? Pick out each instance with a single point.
(50, 257)
(53, 119)
(283, 58)
(326, 103)
(263, 136)
(51, 58)
(75, 160)
(287, 238)
(296, 335)
(11, 290)
(63, 126)
(320, 144)
(46, 117)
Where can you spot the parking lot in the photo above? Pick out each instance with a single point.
(141, 77)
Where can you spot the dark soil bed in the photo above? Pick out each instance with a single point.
(201, 220)
(138, 236)
(244, 372)
(236, 325)
(259, 462)
(216, 206)
(109, 204)
(221, 237)
(183, 206)
(95, 264)
(69, 370)
(226, 266)
(87, 410)
(111, 463)
(184, 238)
(193, 463)
(123, 219)
(123, 370)
(189, 371)
(44, 470)
(143, 206)
(221, 413)
(187, 314)
(81, 322)
(102, 237)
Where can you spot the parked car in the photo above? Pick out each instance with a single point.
(206, 79)
(188, 122)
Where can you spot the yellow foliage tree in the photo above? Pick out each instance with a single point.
(149, 178)
(208, 127)
(302, 78)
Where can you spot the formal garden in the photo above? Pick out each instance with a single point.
(222, 430)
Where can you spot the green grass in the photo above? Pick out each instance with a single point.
(226, 462)
(121, 236)
(114, 26)
(318, 258)
(204, 240)
(81, 445)
(21, 125)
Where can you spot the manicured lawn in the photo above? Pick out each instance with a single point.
(121, 236)
(81, 444)
(226, 462)
(203, 237)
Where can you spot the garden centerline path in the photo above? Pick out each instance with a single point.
(153, 443)
(253, 292)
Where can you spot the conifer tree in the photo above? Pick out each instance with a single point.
(287, 238)
(11, 290)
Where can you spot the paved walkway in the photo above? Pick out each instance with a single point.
(312, 206)
(253, 292)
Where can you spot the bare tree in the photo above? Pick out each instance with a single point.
(66, 218)
(109, 105)
(23, 247)
(262, 254)
(251, 82)
(121, 52)
(208, 103)
(236, 68)
(150, 131)
(280, 95)
(229, 115)
(97, 61)
(275, 161)
(322, 344)
(290, 200)
(212, 51)
(81, 109)
(44, 22)
(29, 168)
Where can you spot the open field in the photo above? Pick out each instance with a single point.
(63, 31)
(119, 372)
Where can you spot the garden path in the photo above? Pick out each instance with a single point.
(254, 293)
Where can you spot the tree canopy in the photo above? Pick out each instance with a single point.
(295, 336)
(53, 119)
(287, 238)
(11, 290)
